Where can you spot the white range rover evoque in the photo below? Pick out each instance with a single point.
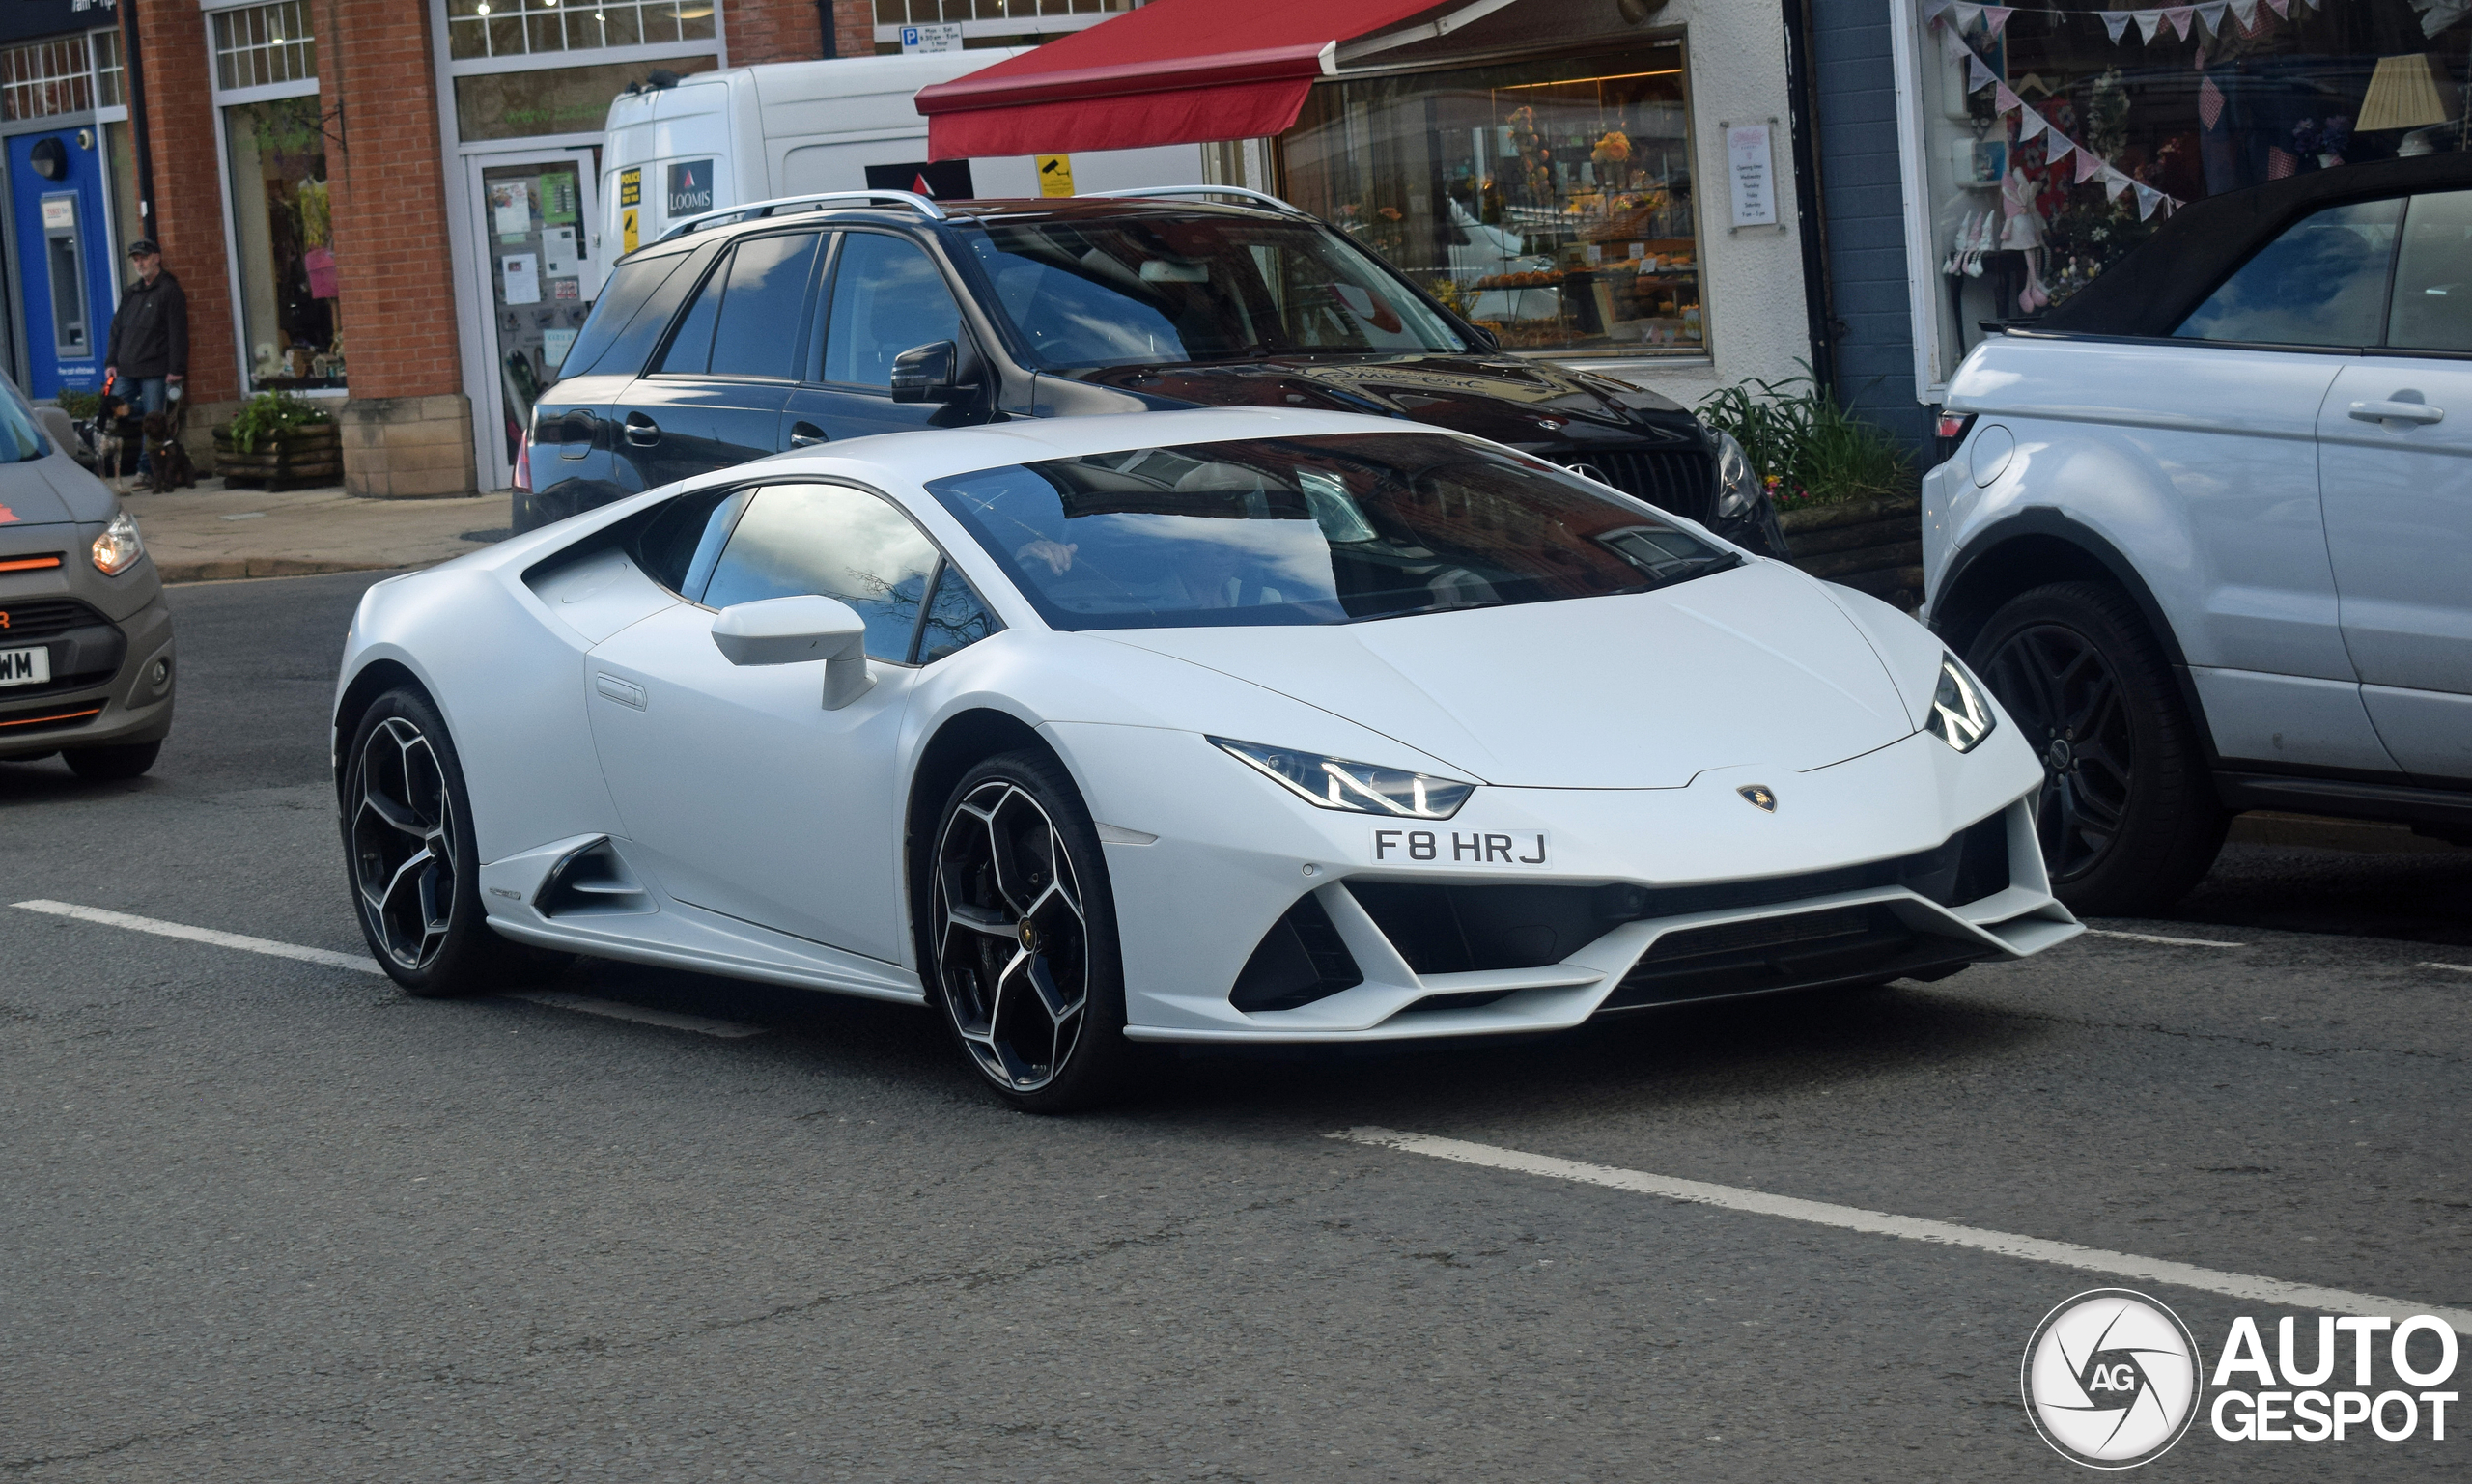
(1220, 726)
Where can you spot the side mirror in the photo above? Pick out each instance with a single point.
(791, 631)
(1484, 337)
(927, 373)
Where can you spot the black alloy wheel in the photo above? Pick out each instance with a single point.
(2127, 814)
(409, 848)
(1021, 937)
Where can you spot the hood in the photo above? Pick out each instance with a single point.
(1754, 665)
(33, 494)
(1529, 405)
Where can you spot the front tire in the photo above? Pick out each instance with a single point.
(1020, 938)
(410, 855)
(2127, 815)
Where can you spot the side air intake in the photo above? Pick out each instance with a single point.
(1300, 960)
(591, 881)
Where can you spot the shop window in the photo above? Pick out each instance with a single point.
(2057, 142)
(1548, 201)
(105, 48)
(283, 234)
(43, 78)
(528, 28)
(258, 45)
(554, 100)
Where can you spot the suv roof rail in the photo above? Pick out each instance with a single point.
(1246, 192)
(763, 208)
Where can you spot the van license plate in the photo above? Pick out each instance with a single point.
(25, 667)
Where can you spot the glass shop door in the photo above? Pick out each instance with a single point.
(535, 215)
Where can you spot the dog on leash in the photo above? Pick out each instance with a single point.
(169, 459)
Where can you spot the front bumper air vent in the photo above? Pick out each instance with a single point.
(591, 881)
(1301, 960)
(1799, 950)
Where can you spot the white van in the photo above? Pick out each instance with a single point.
(715, 140)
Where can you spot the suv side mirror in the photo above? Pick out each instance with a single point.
(927, 372)
(1484, 337)
(789, 631)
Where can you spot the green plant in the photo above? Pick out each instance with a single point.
(80, 404)
(1807, 447)
(271, 414)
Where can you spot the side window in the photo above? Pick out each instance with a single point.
(626, 319)
(2432, 307)
(837, 542)
(680, 545)
(955, 619)
(887, 297)
(757, 334)
(2322, 283)
(690, 350)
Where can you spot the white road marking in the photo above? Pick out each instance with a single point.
(2460, 968)
(618, 1011)
(2149, 938)
(2066, 1254)
(358, 962)
(584, 1003)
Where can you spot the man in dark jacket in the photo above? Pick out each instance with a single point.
(148, 353)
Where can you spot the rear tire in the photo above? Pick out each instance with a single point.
(110, 765)
(1018, 938)
(2128, 817)
(410, 856)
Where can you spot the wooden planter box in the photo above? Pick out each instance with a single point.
(1872, 546)
(295, 460)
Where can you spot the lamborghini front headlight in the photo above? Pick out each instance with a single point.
(1355, 788)
(1961, 715)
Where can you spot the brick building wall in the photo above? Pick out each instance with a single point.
(188, 195)
(408, 427)
(759, 31)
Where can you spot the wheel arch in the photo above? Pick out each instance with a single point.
(2041, 546)
(960, 743)
(376, 678)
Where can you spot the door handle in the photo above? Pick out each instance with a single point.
(806, 434)
(642, 430)
(2396, 412)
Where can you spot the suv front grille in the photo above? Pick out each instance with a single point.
(1675, 479)
(40, 618)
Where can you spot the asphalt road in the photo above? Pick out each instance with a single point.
(266, 1220)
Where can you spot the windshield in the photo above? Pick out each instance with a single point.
(1311, 530)
(1162, 289)
(19, 440)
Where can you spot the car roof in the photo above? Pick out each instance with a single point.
(915, 458)
(1031, 208)
(2155, 286)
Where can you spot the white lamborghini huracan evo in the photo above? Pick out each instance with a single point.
(1218, 726)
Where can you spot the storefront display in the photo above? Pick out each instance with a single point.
(2051, 140)
(283, 246)
(1549, 200)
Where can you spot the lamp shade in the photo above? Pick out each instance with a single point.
(2408, 92)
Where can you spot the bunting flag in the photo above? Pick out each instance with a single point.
(2031, 125)
(2117, 22)
(2181, 17)
(1994, 17)
(2245, 12)
(1968, 15)
(2061, 147)
(1978, 76)
(2148, 199)
(2006, 101)
(2149, 24)
(2282, 8)
(2212, 15)
(2088, 166)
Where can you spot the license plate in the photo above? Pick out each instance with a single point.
(1412, 846)
(25, 667)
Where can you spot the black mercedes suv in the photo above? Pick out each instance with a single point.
(784, 324)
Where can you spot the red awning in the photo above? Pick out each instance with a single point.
(1174, 72)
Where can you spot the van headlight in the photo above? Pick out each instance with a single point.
(1354, 788)
(1961, 715)
(118, 549)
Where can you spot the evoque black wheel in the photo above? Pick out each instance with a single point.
(1021, 937)
(409, 853)
(2127, 813)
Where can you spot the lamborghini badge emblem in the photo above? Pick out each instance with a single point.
(1758, 795)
